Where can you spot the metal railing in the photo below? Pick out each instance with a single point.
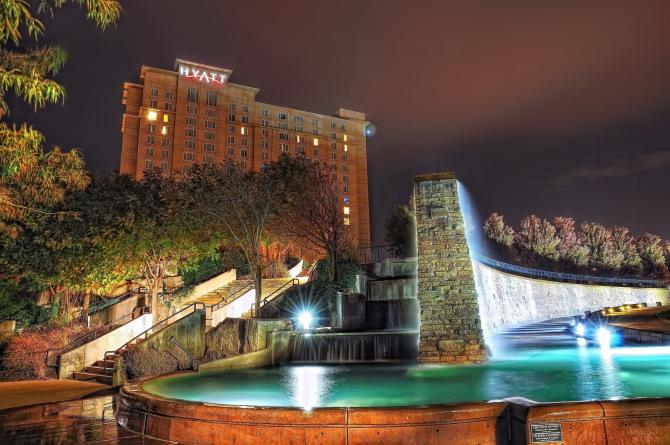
(565, 277)
(237, 293)
(268, 300)
(156, 327)
(377, 254)
(54, 354)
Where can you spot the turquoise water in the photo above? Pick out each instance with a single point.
(543, 375)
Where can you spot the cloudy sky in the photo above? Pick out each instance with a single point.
(553, 108)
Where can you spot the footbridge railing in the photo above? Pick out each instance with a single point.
(564, 277)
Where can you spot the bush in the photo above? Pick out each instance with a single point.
(148, 361)
(347, 273)
(25, 353)
(16, 304)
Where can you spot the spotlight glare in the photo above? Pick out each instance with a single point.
(580, 330)
(604, 337)
(305, 319)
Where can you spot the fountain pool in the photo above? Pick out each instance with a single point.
(576, 373)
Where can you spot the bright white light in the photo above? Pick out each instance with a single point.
(604, 337)
(580, 330)
(305, 319)
(642, 350)
(307, 386)
(581, 342)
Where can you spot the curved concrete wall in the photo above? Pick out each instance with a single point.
(507, 300)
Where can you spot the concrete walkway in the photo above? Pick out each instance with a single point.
(31, 392)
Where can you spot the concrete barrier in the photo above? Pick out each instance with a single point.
(198, 423)
(87, 354)
(624, 422)
(234, 309)
(214, 283)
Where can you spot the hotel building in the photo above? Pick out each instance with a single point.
(173, 119)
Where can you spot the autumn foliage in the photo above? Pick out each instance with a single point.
(558, 244)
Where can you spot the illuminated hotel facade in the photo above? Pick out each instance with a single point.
(174, 119)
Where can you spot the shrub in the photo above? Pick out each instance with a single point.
(25, 354)
(149, 361)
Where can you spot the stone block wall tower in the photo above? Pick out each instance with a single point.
(450, 330)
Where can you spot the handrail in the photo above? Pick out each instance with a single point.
(290, 283)
(173, 339)
(231, 297)
(153, 329)
(565, 277)
(95, 333)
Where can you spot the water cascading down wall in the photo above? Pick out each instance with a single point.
(451, 330)
(459, 309)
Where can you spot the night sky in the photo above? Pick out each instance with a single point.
(553, 108)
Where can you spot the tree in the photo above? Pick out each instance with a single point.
(310, 209)
(650, 249)
(570, 248)
(496, 230)
(401, 230)
(624, 246)
(162, 234)
(30, 179)
(239, 206)
(538, 236)
(598, 239)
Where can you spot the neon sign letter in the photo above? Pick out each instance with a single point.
(202, 75)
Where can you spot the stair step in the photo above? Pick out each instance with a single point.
(88, 376)
(110, 363)
(99, 370)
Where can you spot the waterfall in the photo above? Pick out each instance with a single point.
(352, 347)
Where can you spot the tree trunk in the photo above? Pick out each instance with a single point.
(64, 302)
(155, 304)
(85, 305)
(332, 266)
(258, 286)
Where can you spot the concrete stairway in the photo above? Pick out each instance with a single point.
(99, 372)
(270, 288)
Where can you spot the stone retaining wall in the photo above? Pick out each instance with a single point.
(450, 326)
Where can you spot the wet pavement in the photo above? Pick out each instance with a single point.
(87, 421)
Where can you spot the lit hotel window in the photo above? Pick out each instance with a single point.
(316, 142)
(346, 221)
(152, 115)
(346, 148)
(344, 137)
(243, 130)
(166, 118)
(346, 210)
(164, 130)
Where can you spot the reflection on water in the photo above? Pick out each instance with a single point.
(579, 372)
